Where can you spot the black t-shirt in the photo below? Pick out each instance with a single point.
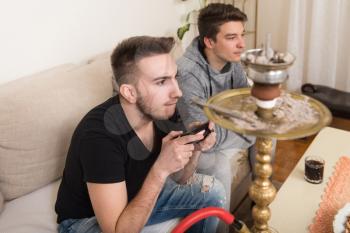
(105, 149)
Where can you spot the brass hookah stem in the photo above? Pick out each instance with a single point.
(262, 192)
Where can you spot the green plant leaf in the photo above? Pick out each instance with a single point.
(182, 30)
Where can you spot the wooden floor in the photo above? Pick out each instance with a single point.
(288, 152)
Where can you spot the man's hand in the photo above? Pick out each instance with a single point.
(176, 152)
(209, 141)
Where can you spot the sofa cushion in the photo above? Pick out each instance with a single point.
(38, 116)
(34, 212)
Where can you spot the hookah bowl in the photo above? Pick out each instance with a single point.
(267, 79)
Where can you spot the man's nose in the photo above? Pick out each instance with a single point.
(241, 43)
(176, 91)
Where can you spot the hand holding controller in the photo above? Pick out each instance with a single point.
(197, 129)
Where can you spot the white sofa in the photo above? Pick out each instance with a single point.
(37, 117)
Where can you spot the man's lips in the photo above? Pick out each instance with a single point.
(171, 103)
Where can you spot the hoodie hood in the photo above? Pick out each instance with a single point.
(195, 54)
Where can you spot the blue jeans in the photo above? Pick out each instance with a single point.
(174, 201)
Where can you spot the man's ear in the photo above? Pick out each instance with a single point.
(208, 42)
(129, 93)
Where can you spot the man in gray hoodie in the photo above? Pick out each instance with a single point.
(211, 64)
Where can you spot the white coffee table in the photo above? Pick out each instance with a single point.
(297, 201)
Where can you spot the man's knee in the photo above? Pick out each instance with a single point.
(214, 191)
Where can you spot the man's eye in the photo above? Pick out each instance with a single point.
(160, 83)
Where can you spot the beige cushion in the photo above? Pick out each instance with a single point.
(106, 55)
(38, 116)
(31, 213)
(35, 213)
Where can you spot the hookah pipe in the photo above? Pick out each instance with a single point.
(198, 215)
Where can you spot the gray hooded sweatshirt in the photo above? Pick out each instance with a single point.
(197, 79)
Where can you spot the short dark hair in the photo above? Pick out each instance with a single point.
(131, 50)
(214, 15)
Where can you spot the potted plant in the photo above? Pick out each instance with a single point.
(191, 20)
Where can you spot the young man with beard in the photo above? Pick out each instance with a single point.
(211, 64)
(117, 172)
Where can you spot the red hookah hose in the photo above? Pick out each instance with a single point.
(198, 215)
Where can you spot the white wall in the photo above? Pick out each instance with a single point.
(40, 34)
(273, 16)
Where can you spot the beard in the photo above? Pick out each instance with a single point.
(147, 111)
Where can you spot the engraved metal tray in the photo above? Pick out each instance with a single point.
(232, 100)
